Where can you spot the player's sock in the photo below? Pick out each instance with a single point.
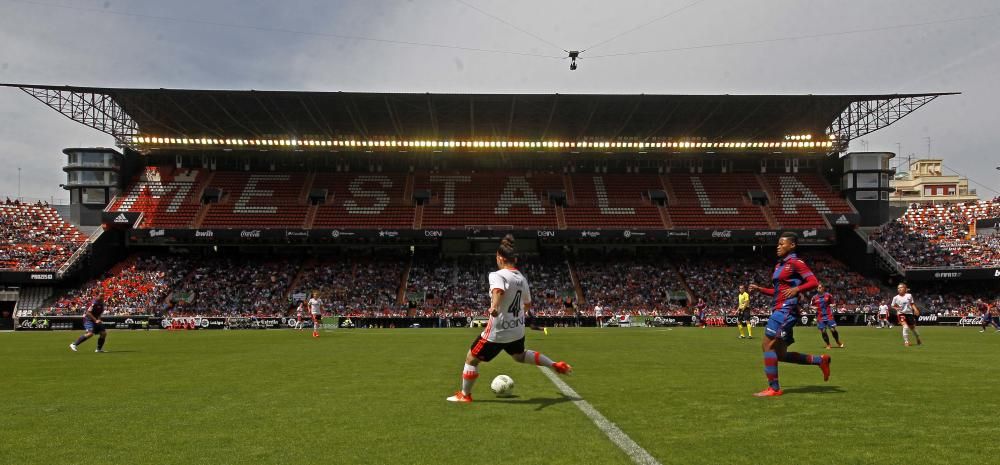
(802, 359)
(915, 333)
(741, 329)
(80, 340)
(469, 376)
(749, 330)
(836, 336)
(826, 338)
(537, 358)
(771, 369)
(100, 342)
(906, 334)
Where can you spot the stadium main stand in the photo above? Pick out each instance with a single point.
(171, 198)
(614, 201)
(715, 201)
(365, 201)
(515, 199)
(33, 237)
(801, 200)
(167, 197)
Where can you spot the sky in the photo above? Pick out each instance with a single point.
(696, 47)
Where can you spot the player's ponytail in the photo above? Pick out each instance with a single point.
(506, 249)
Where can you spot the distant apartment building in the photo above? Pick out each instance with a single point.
(926, 183)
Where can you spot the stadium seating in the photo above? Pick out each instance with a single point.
(715, 201)
(801, 200)
(167, 197)
(268, 200)
(502, 199)
(717, 279)
(939, 236)
(137, 285)
(613, 201)
(363, 201)
(354, 286)
(628, 286)
(33, 237)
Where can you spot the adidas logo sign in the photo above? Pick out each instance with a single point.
(842, 220)
(121, 218)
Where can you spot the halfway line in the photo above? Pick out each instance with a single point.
(615, 434)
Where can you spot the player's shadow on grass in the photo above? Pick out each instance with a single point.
(541, 402)
(112, 352)
(815, 390)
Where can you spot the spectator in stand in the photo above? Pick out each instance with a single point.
(35, 237)
(136, 286)
(632, 287)
(365, 286)
(939, 236)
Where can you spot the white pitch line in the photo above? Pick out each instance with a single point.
(615, 434)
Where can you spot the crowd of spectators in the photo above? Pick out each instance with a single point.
(354, 286)
(135, 286)
(717, 280)
(369, 286)
(448, 286)
(552, 290)
(952, 298)
(33, 237)
(629, 286)
(233, 287)
(940, 236)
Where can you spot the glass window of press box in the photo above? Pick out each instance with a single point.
(103, 178)
(867, 162)
(93, 195)
(96, 159)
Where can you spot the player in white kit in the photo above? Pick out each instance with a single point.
(316, 309)
(883, 316)
(902, 302)
(299, 311)
(509, 297)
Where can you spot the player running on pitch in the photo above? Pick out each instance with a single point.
(883, 316)
(702, 313)
(743, 318)
(790, 278)
(92, 324)
(823, 303)
(907, 310)
(986, 314)
(316, 309)
(300, 310)
(510, 296)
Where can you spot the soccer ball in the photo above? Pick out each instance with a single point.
(502, 385)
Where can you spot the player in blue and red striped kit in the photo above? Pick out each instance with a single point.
(790, 278)
(823, 303)
(986, 314)
(92, 324)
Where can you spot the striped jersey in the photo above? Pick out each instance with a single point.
(508, 325)
(823, 303)
(789, 272)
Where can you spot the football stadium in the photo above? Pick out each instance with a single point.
(253, 276)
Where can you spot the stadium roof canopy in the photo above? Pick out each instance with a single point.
(156, 118)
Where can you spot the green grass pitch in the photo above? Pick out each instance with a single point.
(377, 396)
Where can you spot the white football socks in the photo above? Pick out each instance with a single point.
(537, 358)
